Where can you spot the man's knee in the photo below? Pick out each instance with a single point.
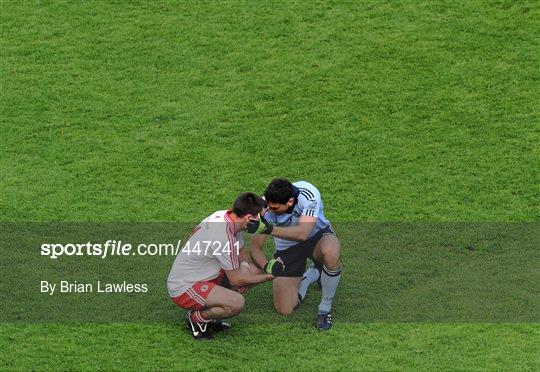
(331, 253)
(284, 309)
(285, 306)
(237, 304)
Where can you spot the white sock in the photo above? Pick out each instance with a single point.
(329, 283)
(310, 276)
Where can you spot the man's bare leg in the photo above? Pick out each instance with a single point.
(285, 291)
(223, 303)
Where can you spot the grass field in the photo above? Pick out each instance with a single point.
(398, 111)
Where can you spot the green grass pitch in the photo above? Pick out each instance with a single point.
(398, 111)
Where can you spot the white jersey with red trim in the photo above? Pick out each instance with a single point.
(212, 246)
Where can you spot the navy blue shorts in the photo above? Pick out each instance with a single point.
(295, 257)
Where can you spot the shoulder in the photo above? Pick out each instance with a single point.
(217, 216)
(218, 223)
(308, 193)
(307, 189)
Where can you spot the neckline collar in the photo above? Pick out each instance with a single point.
(296, 192)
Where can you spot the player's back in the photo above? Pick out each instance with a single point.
(211, 247)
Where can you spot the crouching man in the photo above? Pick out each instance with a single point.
(212, 270)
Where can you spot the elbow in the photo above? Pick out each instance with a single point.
(304, 232)
(303, 237)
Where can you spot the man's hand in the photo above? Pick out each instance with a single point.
(241, 290)
(260, 226)
(274, 267)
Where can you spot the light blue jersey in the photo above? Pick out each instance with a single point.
(308, 202)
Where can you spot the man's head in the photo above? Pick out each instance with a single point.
(247, 206)
(279, 195)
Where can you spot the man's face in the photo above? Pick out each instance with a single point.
(251, 217)
(280, 208)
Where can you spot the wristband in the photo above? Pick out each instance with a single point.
(246, 264)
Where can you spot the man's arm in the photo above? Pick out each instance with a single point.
(244, 254)
(298, 232)
(240, 278)
(275, 266)
(256, 251)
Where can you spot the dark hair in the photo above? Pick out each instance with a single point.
(280, 190)
(248, 203)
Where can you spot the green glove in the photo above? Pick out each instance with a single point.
(273, 267)
(260, 226)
